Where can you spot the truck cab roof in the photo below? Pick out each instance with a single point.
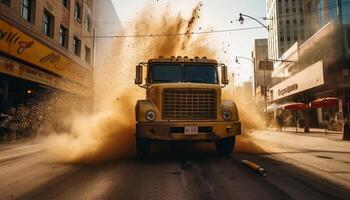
(185, 59)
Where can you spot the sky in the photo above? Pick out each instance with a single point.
(215, 15)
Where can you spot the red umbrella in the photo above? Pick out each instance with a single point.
(325, 102)
(294, 106)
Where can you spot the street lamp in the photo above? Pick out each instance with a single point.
(241, 20)
(242, 57)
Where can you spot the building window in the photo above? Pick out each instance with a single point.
(281, 39)
(76, 46)
(87, 54)
(65, 3)
(48, 24)
(77, 12)
(27, 10)
(63, 40)
(88, 23)
(6, 2)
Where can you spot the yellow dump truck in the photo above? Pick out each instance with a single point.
(184, 103)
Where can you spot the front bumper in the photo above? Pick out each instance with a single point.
(207, 131)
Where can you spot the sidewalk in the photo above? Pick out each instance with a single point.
(314, 132)
(324, 155)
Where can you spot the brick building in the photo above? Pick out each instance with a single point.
(45, 46)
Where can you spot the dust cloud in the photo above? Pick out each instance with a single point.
(250, 118)
(108, 132)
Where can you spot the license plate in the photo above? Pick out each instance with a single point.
(191, 130)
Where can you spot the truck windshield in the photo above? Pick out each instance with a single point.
(174, 73)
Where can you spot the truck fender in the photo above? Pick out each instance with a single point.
(231, 106)
(142, 106)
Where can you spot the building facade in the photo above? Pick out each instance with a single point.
(262, 77)
(320, 66)
(45, 46)
(286, 25)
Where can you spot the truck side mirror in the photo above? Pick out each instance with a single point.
(224, 79)
(138, 79)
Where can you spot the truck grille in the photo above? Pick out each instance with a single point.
(189, 104)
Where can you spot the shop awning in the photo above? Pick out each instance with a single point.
(294, 106)
(272, 107)
(325, 102)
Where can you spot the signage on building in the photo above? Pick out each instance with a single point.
(309, 78)
(13, 68)
(265, 65)
(24, 47)
(287, 89)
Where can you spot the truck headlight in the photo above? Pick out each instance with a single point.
(227, 115)
(150, 115)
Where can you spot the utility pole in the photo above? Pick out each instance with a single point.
(265, 87)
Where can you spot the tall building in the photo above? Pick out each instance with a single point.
(262, 77)
(321, 65)
(286, 25)
(321, 12)
(45, 46)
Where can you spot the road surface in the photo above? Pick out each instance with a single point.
(298, 167)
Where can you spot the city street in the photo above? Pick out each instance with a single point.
(298, 167)
(162, 99)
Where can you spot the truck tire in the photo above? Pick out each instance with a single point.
(225, 146)
(143, 147)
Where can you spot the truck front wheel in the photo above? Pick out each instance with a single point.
(143, 147)
(225, 146)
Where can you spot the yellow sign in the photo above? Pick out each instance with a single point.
(13, 68)
(24, 47)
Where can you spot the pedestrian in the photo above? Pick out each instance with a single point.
(281, 121)
(6, 122)
(277, 122)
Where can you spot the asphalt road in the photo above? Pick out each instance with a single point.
(25, 173)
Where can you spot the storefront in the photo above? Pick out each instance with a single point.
(30, 66)
(319, 69)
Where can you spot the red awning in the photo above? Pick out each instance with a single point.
(294, 106)
(325, 102)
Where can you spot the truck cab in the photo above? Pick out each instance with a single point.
(184, 103)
